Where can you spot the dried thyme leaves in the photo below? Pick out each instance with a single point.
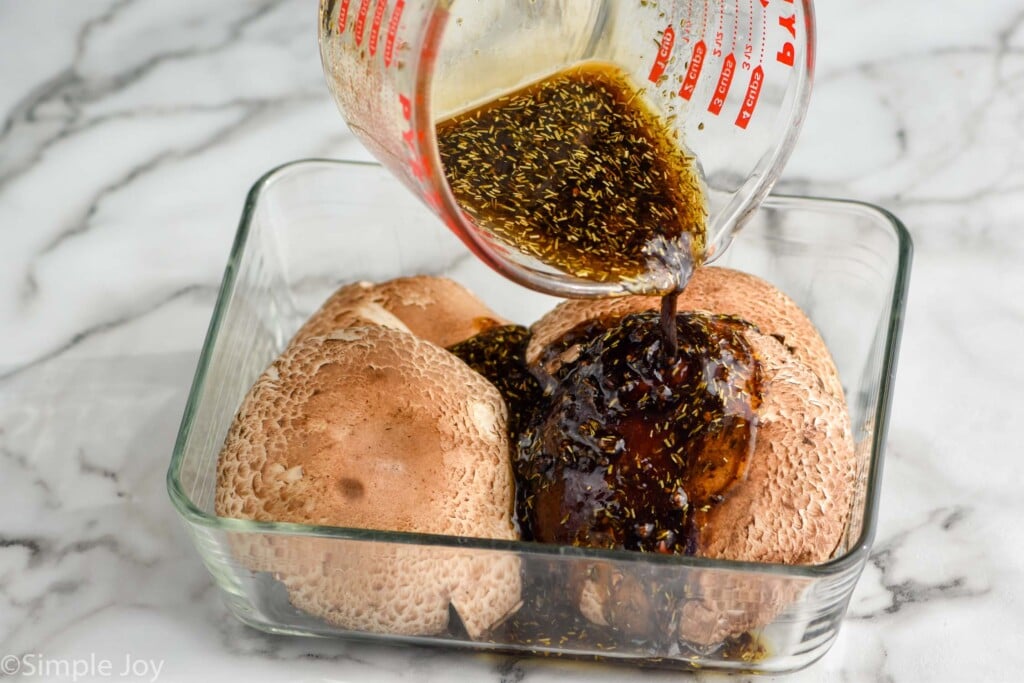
(577, 172)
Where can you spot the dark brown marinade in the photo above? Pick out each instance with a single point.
(577, 171)
(550, 618)
(499, 354)
(637, 427)
(632, 446)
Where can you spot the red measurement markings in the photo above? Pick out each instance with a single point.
(704, 20)
(364, 8)
(700, 51)
(735, 28)
(378, 17)
(764, 31)
(728, 65)
(748, 47)
(750, 100)
(724, 83)
(343, 15)
(389, 44)
(787, 55)
(716, 51)
(668, 39)
(418, 167)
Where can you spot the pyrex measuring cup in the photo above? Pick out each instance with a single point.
(731, 78)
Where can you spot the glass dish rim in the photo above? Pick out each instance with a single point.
(192, 514)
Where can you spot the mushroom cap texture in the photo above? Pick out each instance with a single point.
(433, 308)
(794, 503)
(792, 507)
(371, 427)
(712, 289)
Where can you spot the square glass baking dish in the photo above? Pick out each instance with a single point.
(310, 226)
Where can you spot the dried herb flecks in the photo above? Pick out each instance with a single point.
(633, 446)
(499, 354)
(577, 172)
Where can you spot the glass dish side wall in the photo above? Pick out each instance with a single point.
(311, 226)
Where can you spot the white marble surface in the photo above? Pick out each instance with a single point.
(129, 133)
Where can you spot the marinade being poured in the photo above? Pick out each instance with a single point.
(655, 417)
(633, 446)
(578, 172)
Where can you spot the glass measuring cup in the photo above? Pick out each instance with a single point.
(730, 78)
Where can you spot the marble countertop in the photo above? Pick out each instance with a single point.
(130, 131)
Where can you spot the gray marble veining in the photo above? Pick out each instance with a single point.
(130, 131)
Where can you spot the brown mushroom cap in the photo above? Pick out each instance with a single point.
(715, 290)
(433, 308)
(793, 504)
(400, 589)
(371, 427)
(792, 507)
(729, 604)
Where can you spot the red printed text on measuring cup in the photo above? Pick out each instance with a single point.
(364, 9)
(700, 51)
(389, 45)
(343, 15)
(668, 39)
(378, 18)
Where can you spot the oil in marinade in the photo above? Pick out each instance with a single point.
(578, 172)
